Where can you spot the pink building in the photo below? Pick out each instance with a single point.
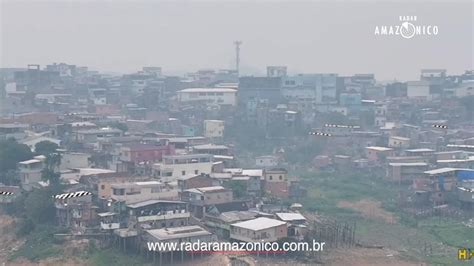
(137, 153)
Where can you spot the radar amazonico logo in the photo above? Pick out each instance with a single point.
(408, 28)
(6, 193)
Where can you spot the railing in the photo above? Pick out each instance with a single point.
(109, 226)
(163, 217)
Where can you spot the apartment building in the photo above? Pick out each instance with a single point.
(30, 172)
(258, 230)
(219, 96)
(140, 191)
(176, 166)
(201, 198)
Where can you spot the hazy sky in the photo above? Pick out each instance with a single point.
(336, 36)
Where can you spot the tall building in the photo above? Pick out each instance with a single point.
(311, 88)
(259, 88)
(276, 71)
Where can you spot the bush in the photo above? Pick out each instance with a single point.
(25, 227)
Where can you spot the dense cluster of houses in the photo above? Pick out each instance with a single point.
(153, 149)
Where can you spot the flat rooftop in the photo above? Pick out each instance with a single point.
(290, 216)
(178, 232)
(408, 164)
(30, 161)
(378, 148)
(259, 224)
(210, 147)
(151, 202)
(209, 90)
(441, 171)
(420, 150)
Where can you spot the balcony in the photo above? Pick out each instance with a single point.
(164, 217)
(109, 226)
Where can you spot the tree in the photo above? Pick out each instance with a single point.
(46, 147)
(239, 189)
(53, 160)
(11, 153)
(304, 153)
(119, 125)
(39, 206)
(50, 172)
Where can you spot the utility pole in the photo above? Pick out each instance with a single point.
(237, 55)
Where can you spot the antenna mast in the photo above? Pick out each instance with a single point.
(237, 55)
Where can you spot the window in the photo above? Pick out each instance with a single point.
(102, 187)
(119, 191)
(183, 172)
(271, 177)
(280, 177)
(196, 172)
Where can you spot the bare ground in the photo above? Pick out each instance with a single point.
(370, 209)
(8, 242)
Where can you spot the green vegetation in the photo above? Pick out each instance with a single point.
(112, 256)
(326, 190)
(449, 231)
(39, 245)
(11, 153)
(39, 206)
(304, 152)
(434, 240)
(46, 147)
(36, 213)
(239, 188)
(53, 160)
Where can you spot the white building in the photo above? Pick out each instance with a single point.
(220, 96)
(398, 142)
(214, 128)
(466, 88)
(142, 191)
(432, 74)
(30, 172)
(191, 234)
(266, 161)
(276, 71)
(418, 89)
(73, 160)
(259, 229)
(176, 166)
